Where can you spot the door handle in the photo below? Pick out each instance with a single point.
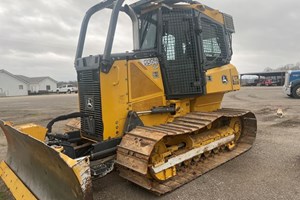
(118, 76)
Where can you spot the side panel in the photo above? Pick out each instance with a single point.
(146, 89)
(222, 79)
(114, 94)
(207, 103)
(219, 81)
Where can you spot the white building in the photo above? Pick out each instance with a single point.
(11, 85)
(18, 85)
(39, 84)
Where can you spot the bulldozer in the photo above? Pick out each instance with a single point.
(154, 114)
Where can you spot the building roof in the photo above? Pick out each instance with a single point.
(33, 80)
(13, 76)
(27, 80)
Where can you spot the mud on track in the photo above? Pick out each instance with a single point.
(270, 170)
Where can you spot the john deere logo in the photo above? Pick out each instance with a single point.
(224, 79)
(90, 104)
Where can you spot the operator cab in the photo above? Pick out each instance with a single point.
(185, 40)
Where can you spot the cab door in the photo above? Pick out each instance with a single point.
(181, 59)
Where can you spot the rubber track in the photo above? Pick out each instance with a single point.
(136, 147)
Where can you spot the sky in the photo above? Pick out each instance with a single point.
(39, 37)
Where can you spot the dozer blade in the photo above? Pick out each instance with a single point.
(45, 172)
(137, 148)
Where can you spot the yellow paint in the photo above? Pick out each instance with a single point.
(137, 85)
(142, 82)
(14, 184)
(114, 95)
(78, 166)
(82, 170)
(142, 105)
(34, 130)
(236, 125)
(165, 174)
(70, 162)
(145, 82)
(231, 145)
(155, 119)
(182, 106)
(202, 138)
(161, 151)
(8, 123)
(216, 85)
(207, 103)
(146, 90)
(215, 88)
(212, 13)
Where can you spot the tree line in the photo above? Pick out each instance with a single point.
(284, 68)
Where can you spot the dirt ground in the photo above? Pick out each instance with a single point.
(270, 170)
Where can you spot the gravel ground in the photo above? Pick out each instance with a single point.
(270, 170)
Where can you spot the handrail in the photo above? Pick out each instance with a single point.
(112, 26)
(111, 31)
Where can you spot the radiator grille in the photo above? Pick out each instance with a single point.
(180, 55)
(90, 104)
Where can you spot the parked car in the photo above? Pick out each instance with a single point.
(67, 89)
(270, 82)
(261, 82)
(292, 83)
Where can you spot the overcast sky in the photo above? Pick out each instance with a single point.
(39, 37)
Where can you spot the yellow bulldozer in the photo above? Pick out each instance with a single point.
(154, 113)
